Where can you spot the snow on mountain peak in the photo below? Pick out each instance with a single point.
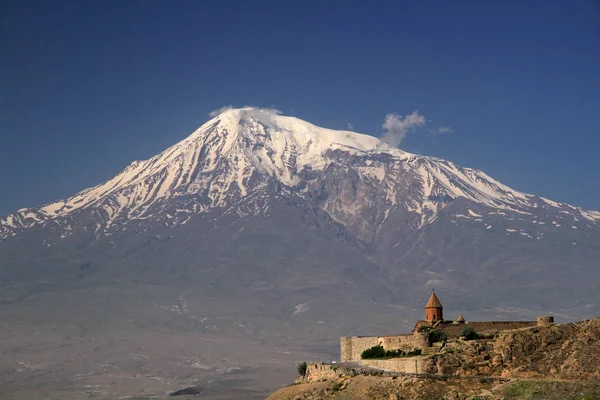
(307, 136)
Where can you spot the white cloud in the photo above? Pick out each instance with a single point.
(269, 110)
(350, 127)
(443, 129)
(397, 126)
(219, 111)
(264, 115)
(248, 110)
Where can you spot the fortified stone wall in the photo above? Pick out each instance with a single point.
(404, 342)
(453, 330)
(316, 372)
(351, 347)
(409, 365)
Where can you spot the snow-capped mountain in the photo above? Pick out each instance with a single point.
(243, 158)
(261, 234)
(254, 187)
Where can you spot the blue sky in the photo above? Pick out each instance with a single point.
(87, 87)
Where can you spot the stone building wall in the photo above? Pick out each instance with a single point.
(454, 330)
(404, 342)
(351, 347)
(495, 326)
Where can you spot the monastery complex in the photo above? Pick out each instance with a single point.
(351, 347)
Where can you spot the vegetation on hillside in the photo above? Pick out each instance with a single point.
(433, 335)
(302, 368)
(469, 333)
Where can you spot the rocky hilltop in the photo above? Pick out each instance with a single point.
(566, 351)
(546, 362)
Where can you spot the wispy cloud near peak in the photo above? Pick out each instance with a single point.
(219, 111)
(396, 127)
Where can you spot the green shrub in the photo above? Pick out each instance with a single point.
(435, 335)
(469, 333)
(432, 335)
(415, 352)
(302, 368)
(379, 352)
(373, 352)
(424, 330)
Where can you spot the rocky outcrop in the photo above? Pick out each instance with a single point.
(567, 351)
(316, 372)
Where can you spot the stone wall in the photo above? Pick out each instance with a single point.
(317, 371)
(453, 330)
(351, 347)
(404, 342)
(410, 365)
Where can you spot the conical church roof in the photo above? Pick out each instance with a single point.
(433, 302)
